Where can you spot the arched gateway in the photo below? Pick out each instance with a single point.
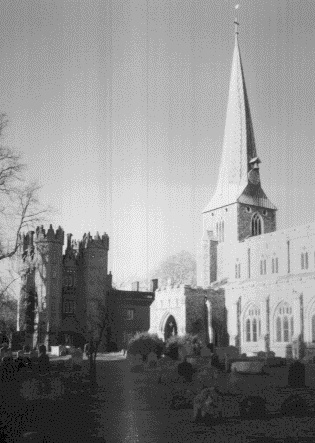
(170, 327)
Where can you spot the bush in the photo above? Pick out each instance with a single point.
(175, 342)
(143, 343)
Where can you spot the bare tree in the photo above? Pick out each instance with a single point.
(98, 319)
(19, 204)
(20, 210)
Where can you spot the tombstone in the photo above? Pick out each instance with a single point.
(182, 352)
(296, 378)
(205, 352)
(26, 349)
(77, 357)
(69, 363)
(262, 354)
(152, 360)
(33, 354)
(136, 362)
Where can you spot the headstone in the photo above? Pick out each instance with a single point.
(182, 352)
(231, 351)
(77, 357)
(69, 363)
(248, 367)
(296, 378)
(55, 350)
(33, 354)
(152, 360)
(205, 352)
(136, 363)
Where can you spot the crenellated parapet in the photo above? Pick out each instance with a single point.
(99, 242)
(50, 236)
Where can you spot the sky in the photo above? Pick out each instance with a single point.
(118, 107)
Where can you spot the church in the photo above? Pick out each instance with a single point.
(267, 276)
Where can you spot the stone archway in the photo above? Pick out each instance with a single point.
(170, 327)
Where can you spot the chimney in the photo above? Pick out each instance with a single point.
(135, 286)
(154, 284)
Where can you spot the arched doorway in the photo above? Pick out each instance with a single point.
(170, 327)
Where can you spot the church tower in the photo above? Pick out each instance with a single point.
(239, 207)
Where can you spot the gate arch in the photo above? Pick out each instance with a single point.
(170, 327)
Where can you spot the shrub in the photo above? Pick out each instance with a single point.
(143, 343)
(175, 342)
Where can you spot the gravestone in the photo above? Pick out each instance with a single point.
(205, 352)
(69, 363)
(152, 360)
(135, 362)
(77, 357)
(182, 352)
(230, 351)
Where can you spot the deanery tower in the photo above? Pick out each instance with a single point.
(239, 207)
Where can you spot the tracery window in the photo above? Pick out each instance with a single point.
(274, 265)
(256, 224)
(68, 307)
(220, 231)
(252, 324)
(304, 260)
(284, 323)
(263, 266)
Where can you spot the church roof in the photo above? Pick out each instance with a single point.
(255, 196)
(238, 144)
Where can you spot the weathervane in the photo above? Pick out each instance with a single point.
(235, 21)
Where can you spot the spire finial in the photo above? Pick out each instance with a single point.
(236, 21)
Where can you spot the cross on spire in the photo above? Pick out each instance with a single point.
(236, 21)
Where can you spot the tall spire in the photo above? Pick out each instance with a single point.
(239, 143)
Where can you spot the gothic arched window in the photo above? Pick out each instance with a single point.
(252, 324)
(254, 329)
(248, 329)
(304, 260)
(275, 265)
(263, 266)
(284, 323)
(256, 224)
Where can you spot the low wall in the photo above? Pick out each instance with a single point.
(310, 375)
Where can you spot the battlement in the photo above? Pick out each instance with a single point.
(50, 236)
(100, 242)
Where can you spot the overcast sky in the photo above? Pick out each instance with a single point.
(118, 107)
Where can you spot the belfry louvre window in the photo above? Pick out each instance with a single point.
(256, 224)
(304, 260)
(237, 270)
(263, 267)
(130, 314)
(220, 231)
